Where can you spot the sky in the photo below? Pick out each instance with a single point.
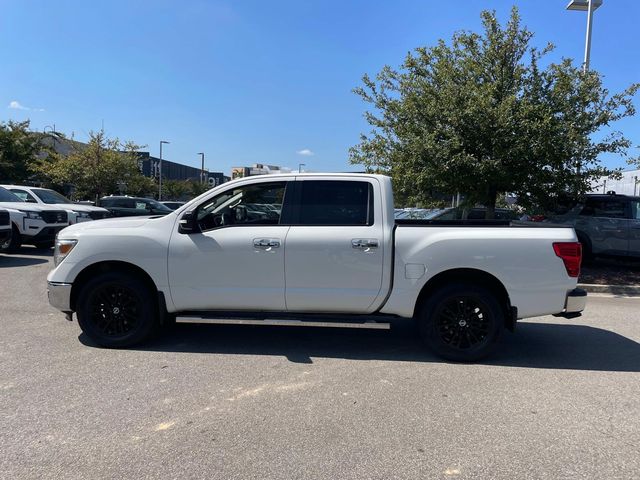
(254, 81)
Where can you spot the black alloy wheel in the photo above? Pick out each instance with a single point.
(461, 322)
(117, 310)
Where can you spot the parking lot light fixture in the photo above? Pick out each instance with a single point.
(589, 6)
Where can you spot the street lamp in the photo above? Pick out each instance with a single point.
(202, 168)
(589, 6)
(160, 171)
(300, 165)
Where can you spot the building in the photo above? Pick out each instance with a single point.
(257, 169)
(150, 167)
(626, 185)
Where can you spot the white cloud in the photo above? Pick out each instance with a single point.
(16, 105)
(305, 152)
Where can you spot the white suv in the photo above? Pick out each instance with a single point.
(76, 212)
(31, 223)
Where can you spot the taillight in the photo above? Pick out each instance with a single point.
(571, 255)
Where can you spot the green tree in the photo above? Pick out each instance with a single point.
(100, 167)
(176, 189)
(18, 149)
(480, 116)
(198, 188)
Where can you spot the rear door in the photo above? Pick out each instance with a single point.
(605, 220)
(335, 246)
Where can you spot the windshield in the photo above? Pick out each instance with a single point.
(7, 196)
(49, 196)
(158, 206)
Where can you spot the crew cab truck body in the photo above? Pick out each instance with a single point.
(31, 224)
(318, 249)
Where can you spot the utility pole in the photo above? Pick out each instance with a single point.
(202, 167)
(160, 171)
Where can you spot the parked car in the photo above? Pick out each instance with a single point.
(606, 224)
(348, 263)
(122, 206)
(456, 213)
(44, 196)
(173, 205)
(5, 228)
(31, 223)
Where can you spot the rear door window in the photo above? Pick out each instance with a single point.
(604, 207)
(331, 202)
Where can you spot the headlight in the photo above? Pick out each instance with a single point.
(32, 215)
(82, 214)
(63, 248)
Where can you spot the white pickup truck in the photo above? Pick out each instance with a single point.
(313, 249)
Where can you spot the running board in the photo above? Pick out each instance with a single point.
(286, 322)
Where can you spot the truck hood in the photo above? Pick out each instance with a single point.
(77, 207)
(108, 223)
(33, 207)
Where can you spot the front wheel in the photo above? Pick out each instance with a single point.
(117, 310)
(461, 322)
(14, 243)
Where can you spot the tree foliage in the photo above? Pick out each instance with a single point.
(19, 148)
(480, 116)
(100, 167)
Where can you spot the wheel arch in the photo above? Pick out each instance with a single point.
(109, 266)
(474, 277)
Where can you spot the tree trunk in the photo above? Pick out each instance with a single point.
(492, 197)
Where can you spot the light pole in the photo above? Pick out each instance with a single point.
(202, 167)
(589, 6)
(300, 165)
(160, 171)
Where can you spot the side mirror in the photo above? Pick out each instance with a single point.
(188, 223)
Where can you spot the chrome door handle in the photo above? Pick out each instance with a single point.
(266, 243)
(364, 243)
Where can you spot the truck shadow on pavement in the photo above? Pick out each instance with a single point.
(7, 261)
(534, 345)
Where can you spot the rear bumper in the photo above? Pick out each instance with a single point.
(60, 296)
(574, 304)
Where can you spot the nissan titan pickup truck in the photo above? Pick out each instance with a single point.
(318, 250)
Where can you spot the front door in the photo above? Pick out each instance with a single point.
(335, 247)
(236, 260)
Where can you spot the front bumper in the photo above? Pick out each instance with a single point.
(574, 304)
(47, 234)
(60, 296)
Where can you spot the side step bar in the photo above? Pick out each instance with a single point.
(369, 322)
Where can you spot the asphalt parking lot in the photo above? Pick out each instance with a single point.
(560, 400)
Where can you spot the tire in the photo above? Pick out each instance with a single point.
(14, 244)
(461, 322)
(115, 310)
(587, 252)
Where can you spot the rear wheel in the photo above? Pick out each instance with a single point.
(461, 322)
(117, 310)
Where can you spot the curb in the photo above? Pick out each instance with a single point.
(623, 290)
